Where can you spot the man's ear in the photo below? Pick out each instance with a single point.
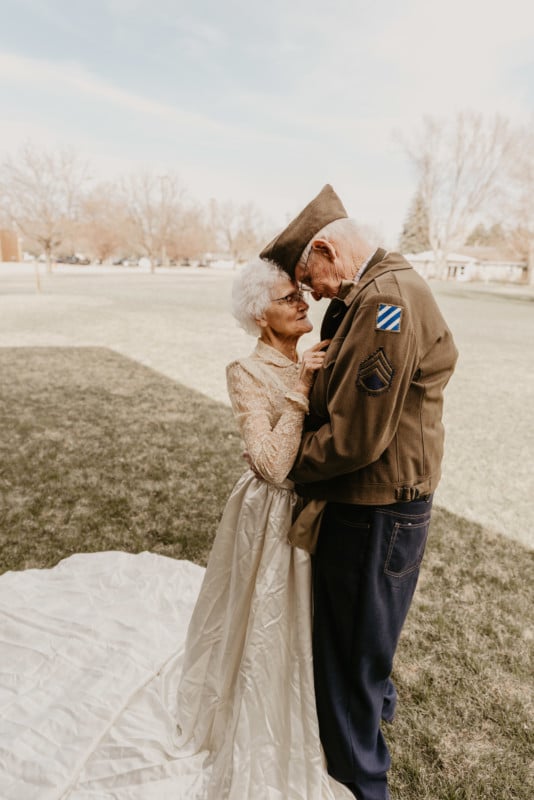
(325, 249)
(262, 322)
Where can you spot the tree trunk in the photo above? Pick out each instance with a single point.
(37, 277)
(442, 267)
(49, 262)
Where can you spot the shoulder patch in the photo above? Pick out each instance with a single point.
(388, 318)
(375, 374)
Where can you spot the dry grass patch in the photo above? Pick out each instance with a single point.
(464, 671)
(100, 453)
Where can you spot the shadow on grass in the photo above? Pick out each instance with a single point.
(101, 453)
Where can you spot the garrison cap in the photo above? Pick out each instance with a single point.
(286, 249)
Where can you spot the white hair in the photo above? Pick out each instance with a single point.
(343, 228)
(252, 291)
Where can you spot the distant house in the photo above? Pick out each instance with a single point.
(486, 264)
(9, 246)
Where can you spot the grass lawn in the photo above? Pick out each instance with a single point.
(180, 324)
(101, 453)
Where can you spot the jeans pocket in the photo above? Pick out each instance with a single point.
(406, 548)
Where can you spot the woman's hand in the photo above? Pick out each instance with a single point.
(312, 360)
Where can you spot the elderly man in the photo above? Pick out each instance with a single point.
(372, 450)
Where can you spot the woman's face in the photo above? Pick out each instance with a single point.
(287, 313)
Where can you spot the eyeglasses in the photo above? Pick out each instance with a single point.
(305, 283)
(291, 299)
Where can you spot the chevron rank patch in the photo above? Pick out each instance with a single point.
(375, 374)
(388, 318)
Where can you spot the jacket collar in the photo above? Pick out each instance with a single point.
(379, 264)
(270, 355)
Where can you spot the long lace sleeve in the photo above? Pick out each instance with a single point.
(272, 444)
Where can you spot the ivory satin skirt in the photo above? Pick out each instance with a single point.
(141, 677)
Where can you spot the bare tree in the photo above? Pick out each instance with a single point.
(154, 204)
(239, 228)
(519, 198)
(42, 192)
(458, 166)
(104, 227)
(192, 234)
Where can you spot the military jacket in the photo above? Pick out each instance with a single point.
(374, 434)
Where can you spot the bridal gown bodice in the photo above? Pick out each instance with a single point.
(268, 410)
(103, 696)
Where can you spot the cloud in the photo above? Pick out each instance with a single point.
(50, 74)
(459, 54)
(213, 157)
(55, 77)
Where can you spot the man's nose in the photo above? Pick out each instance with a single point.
(317, 295)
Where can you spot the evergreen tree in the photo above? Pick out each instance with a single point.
(415, 236)
(481, 236)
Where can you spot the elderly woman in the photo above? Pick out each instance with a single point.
(246, 693)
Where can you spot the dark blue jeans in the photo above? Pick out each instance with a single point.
(365, 570)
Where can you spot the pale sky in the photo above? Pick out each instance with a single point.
(260, 101)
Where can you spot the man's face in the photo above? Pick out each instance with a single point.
(321, 274)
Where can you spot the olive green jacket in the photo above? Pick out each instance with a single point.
(374, 434)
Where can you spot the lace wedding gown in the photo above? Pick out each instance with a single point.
(95, 673)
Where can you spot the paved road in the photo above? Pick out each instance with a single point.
(179, 323)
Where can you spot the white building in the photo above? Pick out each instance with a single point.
(463, 267)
